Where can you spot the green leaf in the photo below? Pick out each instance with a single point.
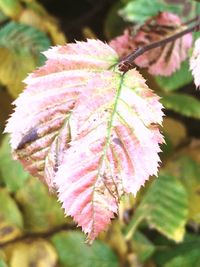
(2, 263)
(188, 172)
(165, 208)
(20, 45)
(11, 221)
(114, 24)
(23, 40)
(135, 11)
(12, 172)
(189, 258)
(11, 8)
(141, 10)
(41, 210)
(73, 252)
(183, 255)
(2, 259)
(182, 103)
(9, 210)
(142, 246)
(3, 17)
(180, 78)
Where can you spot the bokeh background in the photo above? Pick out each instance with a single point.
(164, 218)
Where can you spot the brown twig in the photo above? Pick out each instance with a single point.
(191, 20)
(127, 63)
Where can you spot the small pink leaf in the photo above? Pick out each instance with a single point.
(124, 44)
(195, 63)
(162, 60)
(96, 125)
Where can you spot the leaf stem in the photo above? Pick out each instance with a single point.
(127, 63)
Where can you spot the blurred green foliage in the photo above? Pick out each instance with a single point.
(160, 227)
(26, 30)
(73, 252)
(141, 10)
(178, 79)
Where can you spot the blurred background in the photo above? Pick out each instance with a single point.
(164, 219)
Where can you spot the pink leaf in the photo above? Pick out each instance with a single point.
(123, 44)
(162, 60)
(39, 125)
(195, 63)
(102, 135)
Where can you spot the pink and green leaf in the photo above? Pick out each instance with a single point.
(91, 131)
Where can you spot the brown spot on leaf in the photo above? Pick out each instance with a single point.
(6, 230)
(28, 138)
(117, 141)
(55, 167)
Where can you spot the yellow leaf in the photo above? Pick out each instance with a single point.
(43, 22)
(11, 8)
(8, 232)
(179, 234)
(194, 150)
(31, 18)
(88, 33)
(13, 69)
(39, 253)
(11, 222)
(56, 34)
(175, 130)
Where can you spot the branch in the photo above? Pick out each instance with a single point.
(127, 63)
(191, 20)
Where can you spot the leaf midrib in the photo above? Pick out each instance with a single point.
(107, 143)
